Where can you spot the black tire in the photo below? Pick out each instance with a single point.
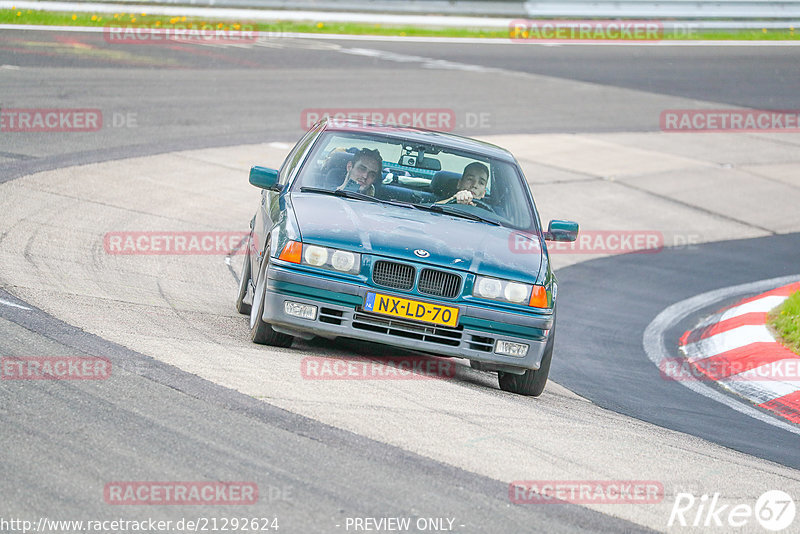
(261, 332)
(533, 381)
(244, 283)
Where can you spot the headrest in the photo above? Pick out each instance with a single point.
(337, 160)
(444, 183)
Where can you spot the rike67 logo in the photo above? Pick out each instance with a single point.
(774, 511)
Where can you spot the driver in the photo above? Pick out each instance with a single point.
(362, 172)
(471, 185)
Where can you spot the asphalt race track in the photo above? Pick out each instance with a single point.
(607, 359)
(190, 399)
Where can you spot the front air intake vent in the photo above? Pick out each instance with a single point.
(394, 275)
(439, 283)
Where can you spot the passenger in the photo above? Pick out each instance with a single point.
(362, 172)
(471, 186)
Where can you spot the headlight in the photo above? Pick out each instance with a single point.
(322, 257)
(343, 260)
(508, 291)
(489, 288)
(515, 292)
(314, 255)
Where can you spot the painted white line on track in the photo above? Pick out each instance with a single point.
(275, 36)
(757, 306)
(760, 391)
(13, 305)
(656, 349)
(725, 341)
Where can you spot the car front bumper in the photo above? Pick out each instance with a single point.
(340, 314)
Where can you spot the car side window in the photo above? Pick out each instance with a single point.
(296, 154)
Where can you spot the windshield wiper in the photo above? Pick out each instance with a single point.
(339, 193)
(355, 194)
(452, 210)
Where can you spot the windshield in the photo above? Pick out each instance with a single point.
(419, 175)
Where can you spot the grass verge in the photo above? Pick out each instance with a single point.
(278, 27)
(785, 319)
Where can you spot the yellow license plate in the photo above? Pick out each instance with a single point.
(411, 309)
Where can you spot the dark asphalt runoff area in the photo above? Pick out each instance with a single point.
(60, 438)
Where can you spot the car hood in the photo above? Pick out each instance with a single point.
(394, 231)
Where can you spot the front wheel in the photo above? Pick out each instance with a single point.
(244, 283)
(261, 332)
(533, 381)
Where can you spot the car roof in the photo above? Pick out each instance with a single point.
(448, 140)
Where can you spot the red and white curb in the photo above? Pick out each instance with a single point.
(735, 349)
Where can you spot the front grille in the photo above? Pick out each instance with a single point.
(439, 283)
(394, 275)
(481, 343)
(443, 335)
(329, 315)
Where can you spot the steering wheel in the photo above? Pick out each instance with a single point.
(482, 204)
(476, 202)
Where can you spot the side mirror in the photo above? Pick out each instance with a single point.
(561, 231)
(265, 178)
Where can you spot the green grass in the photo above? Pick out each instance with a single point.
(140, 17)
(785, 319)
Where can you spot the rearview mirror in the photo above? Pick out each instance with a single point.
(265, 178)
(432, 164)
(561, 231)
